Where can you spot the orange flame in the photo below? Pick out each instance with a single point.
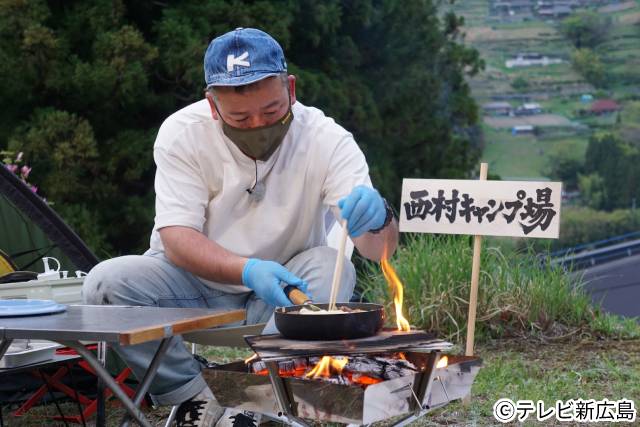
(363, 379)
(398, 292)
(324, 366)
(443, 362)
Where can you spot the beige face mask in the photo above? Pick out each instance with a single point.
(261, 142)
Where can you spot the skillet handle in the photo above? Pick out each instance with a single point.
(296, 295)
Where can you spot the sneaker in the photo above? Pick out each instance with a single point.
(235, 418)
(202, 410)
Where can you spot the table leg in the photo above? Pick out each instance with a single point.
(102, 373)
(4, 346)
(148, 376)
(102, 358)
(282, 397)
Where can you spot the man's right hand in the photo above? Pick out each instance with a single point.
(264, 277)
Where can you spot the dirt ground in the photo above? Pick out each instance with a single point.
(617, 7)
(630, 18)
(537, 120)
(476, 34)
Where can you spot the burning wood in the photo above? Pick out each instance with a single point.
(259, 367)
(395, 368)
(372, 386)
(300, 365)
(359, 370)
(327, 367)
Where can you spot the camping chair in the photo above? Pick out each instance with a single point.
(65, 361)
(234, 336)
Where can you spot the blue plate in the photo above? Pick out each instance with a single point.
(28, 307)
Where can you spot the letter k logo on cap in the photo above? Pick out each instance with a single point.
(232, 61)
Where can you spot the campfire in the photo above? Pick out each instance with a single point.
(354, 370)
(359, 370)
(363, 371)
(358, 382)
(352, 381)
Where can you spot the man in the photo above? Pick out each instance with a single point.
(244, 181)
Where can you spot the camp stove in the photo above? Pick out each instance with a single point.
(350, 381)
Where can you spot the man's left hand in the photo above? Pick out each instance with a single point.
(363, 209)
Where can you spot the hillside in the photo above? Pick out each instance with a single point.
(509, 39)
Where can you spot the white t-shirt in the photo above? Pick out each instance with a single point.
(202, 177)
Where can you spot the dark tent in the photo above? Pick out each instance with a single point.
(30, 230)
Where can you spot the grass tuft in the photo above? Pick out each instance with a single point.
(518, 294)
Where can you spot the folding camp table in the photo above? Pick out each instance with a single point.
(121, 325)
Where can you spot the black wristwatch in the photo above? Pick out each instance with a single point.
(387, 219)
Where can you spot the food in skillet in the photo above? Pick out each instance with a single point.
(316, 310)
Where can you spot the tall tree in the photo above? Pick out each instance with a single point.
(84, 87)
(615, 161)
(587, 62)
(586, 29)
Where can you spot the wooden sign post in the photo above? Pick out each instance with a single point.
(480, 208)
(475, 277)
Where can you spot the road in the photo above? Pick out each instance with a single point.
(617, 284)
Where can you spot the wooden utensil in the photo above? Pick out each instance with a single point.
(337, 272)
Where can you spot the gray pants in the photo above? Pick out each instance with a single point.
(152, 280)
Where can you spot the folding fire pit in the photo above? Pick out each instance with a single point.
(365, 380)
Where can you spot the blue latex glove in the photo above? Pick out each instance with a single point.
(264, 277)
(363, 209)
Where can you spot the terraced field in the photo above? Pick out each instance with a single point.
(557, 88)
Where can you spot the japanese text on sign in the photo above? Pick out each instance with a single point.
(498, 208)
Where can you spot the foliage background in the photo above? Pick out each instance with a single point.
(84, 87)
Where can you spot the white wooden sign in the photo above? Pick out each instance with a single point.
(489, 208)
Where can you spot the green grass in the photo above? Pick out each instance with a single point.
(517, 295)
(630, 118)
(565, 106)
(606, 121)
(518, 25)
(513, 156)
(621, 54)
(224, 355)
(546, 371)
(526, 156)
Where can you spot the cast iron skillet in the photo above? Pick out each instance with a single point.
(329, 326)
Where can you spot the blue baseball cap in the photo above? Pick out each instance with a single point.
(241, 57)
